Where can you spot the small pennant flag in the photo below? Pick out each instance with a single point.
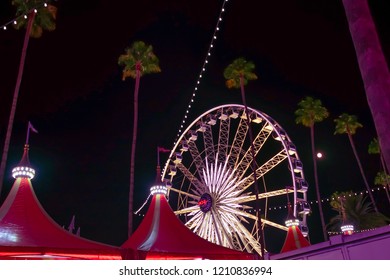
(71, 225)
(30, 126)
(163, 150)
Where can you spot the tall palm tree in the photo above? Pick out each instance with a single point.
(237, 75)
(137, 61)
(358, 211)
(373, 68)
(348, 124)
(35, 23)
(309, 112)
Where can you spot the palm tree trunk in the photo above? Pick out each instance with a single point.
(386, 186)
(317, 184)
(7, 141)
(253, 163)
(373, 68)
(133, 150)
(362, 172)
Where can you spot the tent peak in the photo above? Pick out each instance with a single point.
(24, 169)
(158, 187)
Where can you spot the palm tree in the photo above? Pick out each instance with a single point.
(358, 211)
(382, 178)
(237, 75)
(373, 68)
(348, 124)
(138, 60)
(35, 23)
(309, 112)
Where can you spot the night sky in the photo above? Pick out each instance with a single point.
(73, 94)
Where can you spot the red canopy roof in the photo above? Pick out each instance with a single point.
(294, 240)
(27, 231)
(161, 235)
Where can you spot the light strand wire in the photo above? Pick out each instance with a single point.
(203, 69)
(15, 20)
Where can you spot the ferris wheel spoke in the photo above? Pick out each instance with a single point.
(223, 139)
(187, 194)
(254, 218)
(243, 199)
(222, 231)
(273, 224)
(187, 210)
(238, 142)
(237, 212)
(245, 236)
(193, 180)
(208, 142)
(194, 152)
(247, 159)
(262, 170)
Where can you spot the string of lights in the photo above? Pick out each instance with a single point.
(143, 205)
(203, 69)
(16, 20)
(281, 207)
(355, 231)
(329, 199)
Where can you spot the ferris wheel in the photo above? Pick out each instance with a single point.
(210, 178)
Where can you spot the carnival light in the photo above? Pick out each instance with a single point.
(23, 172)
(347, 229)
(159, 189)
(292, 222)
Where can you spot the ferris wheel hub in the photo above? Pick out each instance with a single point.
(205, 202)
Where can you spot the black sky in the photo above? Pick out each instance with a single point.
(73, 94)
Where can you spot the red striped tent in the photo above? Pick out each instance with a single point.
(28, 232)
(161, 235)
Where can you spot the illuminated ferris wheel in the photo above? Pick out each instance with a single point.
(210, 178)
